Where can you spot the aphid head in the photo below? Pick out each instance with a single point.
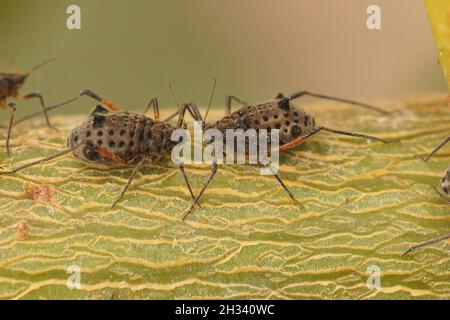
(446, 182)
(14, 81)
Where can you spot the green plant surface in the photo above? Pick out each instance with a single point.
(365, 204)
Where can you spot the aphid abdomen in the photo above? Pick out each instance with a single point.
(291, 121)
(116, 133)
(156, 143)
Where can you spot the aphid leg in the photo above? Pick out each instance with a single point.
(442, 195)
(321, 96)
(285, 188)
(47, 109)
(312, 132)
(153, 103)
(51, 157)
(12, 106)
(88, 93)
(427, 243)
(228, 102)
(138, 167)
(198, 112)
(443, 143)
(181, 167)
(103, 101)
(211, 176)
(38, 95)
(193, 110)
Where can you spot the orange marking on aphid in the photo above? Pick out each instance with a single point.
(108, 154)
(293, 143)
(109, 105)
(40, 193)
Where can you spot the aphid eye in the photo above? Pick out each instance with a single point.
(296, 131)
(90, 154)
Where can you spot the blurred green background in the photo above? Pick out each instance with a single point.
(128, 51)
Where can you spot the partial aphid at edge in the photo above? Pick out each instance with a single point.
(444, 195)
(10, 84)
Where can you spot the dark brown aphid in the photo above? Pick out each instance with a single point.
(125, 138)
(294, 124)
(10, 83)
(444, 194)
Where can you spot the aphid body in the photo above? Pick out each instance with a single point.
(123, 137)
(291, 120)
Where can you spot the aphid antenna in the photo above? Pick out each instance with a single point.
(326, 97)
(174, 95)
(40, 65)
(210, 101)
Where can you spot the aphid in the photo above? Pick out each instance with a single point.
(295, 125)
(10, 83)
(444, 194)
(124, 138)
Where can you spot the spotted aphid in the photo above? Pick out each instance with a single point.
(10, 84)
(124, 138)
(294, 125)
(444, 194)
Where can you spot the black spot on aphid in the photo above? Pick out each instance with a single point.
(266, 118)
(100, 133)
(257, 122)
(131, 143)
(121, 144)
(122, 132)
(98, 120)
(306, 121)
(286, 114)
(99, 142)
(295, 120)
(296, 113)
(112, 144)
(275, 116)
(132, 134)
(288, 123)
(88, 133)
(75, 139)
(111, 132)
(296, 131)
(277, 126)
